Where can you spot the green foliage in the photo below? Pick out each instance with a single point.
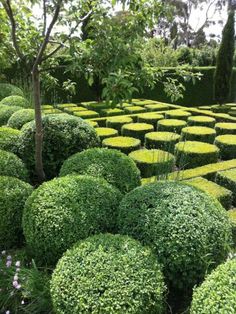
(232, 217)
(108, 274)
(150, 118)
(12, 166)
(64, 135)
(6, 113)
(86, 114)
(118, 122)
(162, 140)
(224, 65)
(115, 167)
(223, 128)
(20, 117)
(191, 154)
(227, 145)
(15, 101)
(137, 130)
(220, 109)
(13, 194)
(9, 90)
(217, 293)
(188, 230)
(177, 114)
(171, 125)
(123, 143)
(62, 211)
(156, 107)
(134, 109)
(9, 138)
(227, 179)
(201, 121)
(199, 134)
(153, 162)
(106, 133)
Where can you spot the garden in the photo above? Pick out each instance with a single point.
(117, 157)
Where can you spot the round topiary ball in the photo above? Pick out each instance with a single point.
(217, 294)
(108, 274)
(62, 211)
(63, 134)
(13, 195)
(12, 166)
(115, 167)
(189, 231)
(9, 138)
(15, 100)
(21, 117)
(6, 113)
(9, 90)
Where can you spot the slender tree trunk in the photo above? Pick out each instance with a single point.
(39, 127)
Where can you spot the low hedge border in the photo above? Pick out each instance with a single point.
(87, 114)
(232, 217)
(227, 145)
(134, 109)
(228, 180)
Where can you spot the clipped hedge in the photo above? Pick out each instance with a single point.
(191, 154)
(177, 114)
(115, 167)
(232, 217)
(134, 109)
(227, 145)
(199, 134)
(220, 109)
(9, 90)
(118, 122)
(125, 144)
(9, 138)
(188, 230)
(153, 162)
(217, 294)
(106, 133)
(13, 194)
(157, 107)
(223, 128)
(171, 125)
(227, 179)
(12, 166)
(64, 135)
(62, 211)
(150, 118)
(6, 113)
(137, 130)
(108, 274)
(94, 124)
(111, 112)
(201, 121)
(20, 117)
(162, 140)
(87, 114)
(13, 101)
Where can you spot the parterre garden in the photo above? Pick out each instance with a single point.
(137, 212)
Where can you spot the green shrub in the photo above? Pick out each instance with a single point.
(108, 274)
(223, 195)
(112, 112)
(106, 133)
(46, 107)
(232, 217)
(227, 179)
(220, 109)
(13, 101)
(94, 124)
(227, 145)
(51, 111)
(87, 114)
(188, 230)
(9, 138)
(115, 167)
(232, 113)
(62, 211)
(192, 154)
(6, 113)
(137, 130)
(71, 109)
(225, 128)
(9, 90)
(177, 114)
(201, 121)
(64, 135)
(162, 140)
(125, 144)
(62, 106)
(118, 122)
(20, 117)
(171, 125)
(13, 194)
(156, 107)
(199, 134)
(12, 166)
(153, 162)
(134, 109)
(217, 293)
(150, 118)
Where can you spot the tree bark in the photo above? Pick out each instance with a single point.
(39, 126)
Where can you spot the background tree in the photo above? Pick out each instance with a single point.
(224, 64)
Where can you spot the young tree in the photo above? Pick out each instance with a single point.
(224, 64)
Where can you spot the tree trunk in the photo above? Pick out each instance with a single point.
(39, 127)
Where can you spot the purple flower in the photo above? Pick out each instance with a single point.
(9, 258)
(8, 263)
(15, 283)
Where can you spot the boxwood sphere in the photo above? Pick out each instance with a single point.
(9, 138)
(217, 294)
(12, 166)
(63, 134)
(62, 211)
(189, 231)
(108, 274)
(112, 165)
(20, 117)
(15, 101)
(9, 90)
(6, 113)
(13, 194)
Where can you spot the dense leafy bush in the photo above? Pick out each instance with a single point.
(12, 166)
(64, 135)
(137, 130)
(9, 90)
(188, 230)
(108, 274)
(217, 294)
(13, 194)
(6, 113)
(123, 143)
(65, 210)
(20, 117)
(232, 217)
(199, 134)
(9, 138)
(115, 167)
(15, 101)
(227, 146)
